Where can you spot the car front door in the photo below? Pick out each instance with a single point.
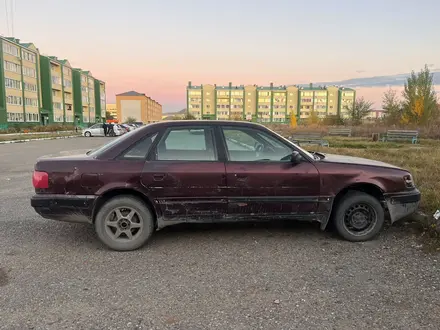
(184, 175)
(262, 179)
(97, 130)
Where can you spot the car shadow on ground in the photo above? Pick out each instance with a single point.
(80, 235)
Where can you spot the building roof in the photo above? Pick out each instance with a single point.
(131, 93)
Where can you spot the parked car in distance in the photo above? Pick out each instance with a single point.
(98, 130)
(216, 171)
(129, 127)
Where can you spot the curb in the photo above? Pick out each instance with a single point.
(40, 139)
(35, 133)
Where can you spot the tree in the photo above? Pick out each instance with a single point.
(393, 107)
(293, 121)
(358, 110)
(188, 116)
(313, 119)
(333, 120)
(237, 117)
(130, 120)
(108, 115)
(420, 100)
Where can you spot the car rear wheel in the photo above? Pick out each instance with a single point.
(124, 223)
(359, 217)
(87, 134)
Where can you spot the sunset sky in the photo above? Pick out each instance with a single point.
(156, 47)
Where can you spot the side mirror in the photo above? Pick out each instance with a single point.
(296, 157)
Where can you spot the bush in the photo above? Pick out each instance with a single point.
(37, 128)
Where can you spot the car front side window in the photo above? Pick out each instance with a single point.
(187, 144)
(251, 145)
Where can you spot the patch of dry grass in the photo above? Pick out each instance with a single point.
(34, 136)
(422, 160)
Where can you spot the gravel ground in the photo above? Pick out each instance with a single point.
(269, 276)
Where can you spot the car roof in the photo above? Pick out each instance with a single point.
(205, 123)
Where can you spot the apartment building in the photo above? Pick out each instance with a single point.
(100, 100)
(138, 106)
(89, 97)
(37, 89)
(20, 89)
(275, 104)
(57, 90)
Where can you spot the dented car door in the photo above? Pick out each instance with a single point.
(263, 181)
(185, 176)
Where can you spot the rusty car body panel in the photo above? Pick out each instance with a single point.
(215, 191)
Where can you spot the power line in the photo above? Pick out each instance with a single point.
(12, 16)
(7, 16)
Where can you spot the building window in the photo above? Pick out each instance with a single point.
(56, 80)
(15, 116)
(10, 49)
(30, 87)
(30, 72)
(67, 83)
(14, 100)
(66, 71)
(12, 83)
(57, 106)
(58, 117)
(10, 66)
(31, 102)
(29, 57)
(32, 117)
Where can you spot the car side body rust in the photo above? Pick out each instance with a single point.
(215, 190)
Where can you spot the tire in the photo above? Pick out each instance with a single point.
(108, 221)
(87, 134)
(359, 217)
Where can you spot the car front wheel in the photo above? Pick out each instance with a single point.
(124, 223)
(359, 217)
(87, 134)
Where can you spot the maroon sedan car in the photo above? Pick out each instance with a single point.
(216, 171)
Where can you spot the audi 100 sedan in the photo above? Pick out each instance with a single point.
(216, 171)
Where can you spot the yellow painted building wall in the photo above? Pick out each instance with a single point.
(112, 109)
(333, 100)
(209, 100)
(250, 101)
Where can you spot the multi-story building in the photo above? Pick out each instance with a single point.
(89, 97)
(37, 89)
(100, 100)
(57, 90)
(20, 89)
(267, 103)
(138, 106)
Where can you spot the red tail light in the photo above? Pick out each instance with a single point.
(40, 180)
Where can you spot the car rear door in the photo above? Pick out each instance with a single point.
(262, 180)
(184, 175)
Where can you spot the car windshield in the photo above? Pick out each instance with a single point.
(97, 151)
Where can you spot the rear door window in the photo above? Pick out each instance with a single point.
(187, 144)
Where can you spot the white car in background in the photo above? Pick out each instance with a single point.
(98, 130)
